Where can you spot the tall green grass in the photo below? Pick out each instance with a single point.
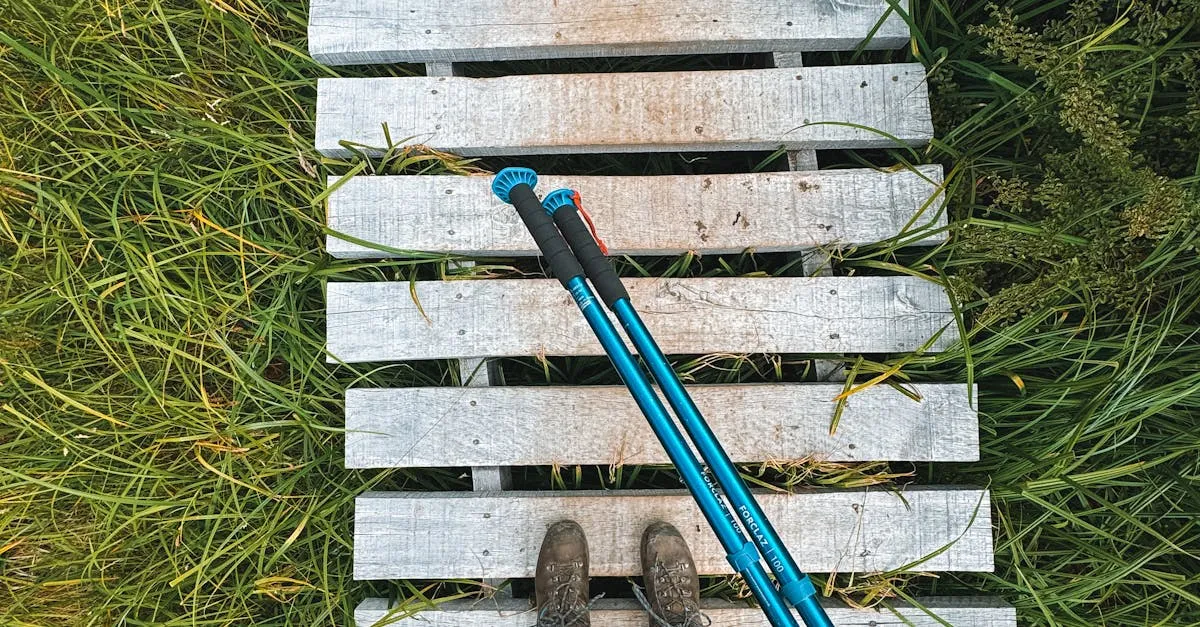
(1070, 131)
(169, 430)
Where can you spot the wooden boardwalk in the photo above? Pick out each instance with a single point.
(493, 533)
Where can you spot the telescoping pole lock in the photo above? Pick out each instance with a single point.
(556, 226)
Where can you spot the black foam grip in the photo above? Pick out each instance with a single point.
(596, 266)
(563, 264)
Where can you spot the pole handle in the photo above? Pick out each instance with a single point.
(515, 186)
(560, 204)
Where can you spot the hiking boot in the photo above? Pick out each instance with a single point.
(672, 584)
(561, 581)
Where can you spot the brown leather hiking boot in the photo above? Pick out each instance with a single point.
(672, 584)
(561, 581)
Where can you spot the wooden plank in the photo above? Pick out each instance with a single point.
(388, 31)
(523, 426)
(636, 112)
(393, 321)
(642, 215)
(452, 535)
(607, 612)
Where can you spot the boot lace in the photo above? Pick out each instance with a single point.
(563, 608)
(671, 589)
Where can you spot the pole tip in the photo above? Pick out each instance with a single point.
(509, 178)
(558, 199)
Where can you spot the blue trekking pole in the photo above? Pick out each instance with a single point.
(515, 186)
(796, 586)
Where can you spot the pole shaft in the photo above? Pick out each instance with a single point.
(723, 523)
(796, 585)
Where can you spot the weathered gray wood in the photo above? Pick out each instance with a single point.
(797, 159)
(477, 373)
(787, 59)
(636, 112)
(374, 609)
(814, 261)
(389, 31)
(642, 215)
(456, 319)
(927, 612)
(474, 373)
(524, 426)
(442, 69)
(802, 160)
(450, 535)
(491, 478)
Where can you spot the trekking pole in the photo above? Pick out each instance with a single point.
(515, 186)
(797, 588)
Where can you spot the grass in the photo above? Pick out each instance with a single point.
(169, 430)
